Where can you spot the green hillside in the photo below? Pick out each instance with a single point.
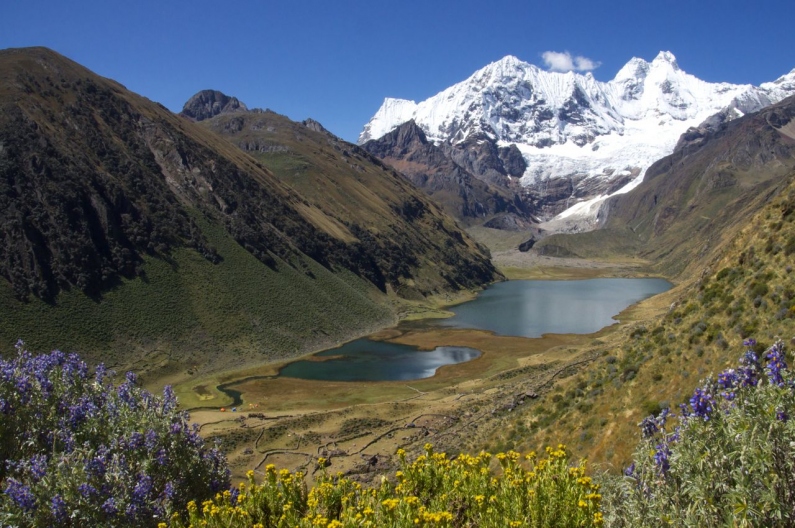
(140, 238)
(187, 313)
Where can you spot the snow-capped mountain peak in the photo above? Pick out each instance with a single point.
(782, 87)
(569, 125)
(666, 57)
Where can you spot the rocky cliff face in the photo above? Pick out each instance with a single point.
(210, 103)
(470, 198)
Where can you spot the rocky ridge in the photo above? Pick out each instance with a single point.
(209, 103)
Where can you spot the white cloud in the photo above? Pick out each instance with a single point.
(563, 62)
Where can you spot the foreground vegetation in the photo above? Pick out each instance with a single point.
(730, 460)
(434, 490)
(78, 451)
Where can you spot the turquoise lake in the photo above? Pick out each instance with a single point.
(531, 308)
(526, 308)
(366, 360)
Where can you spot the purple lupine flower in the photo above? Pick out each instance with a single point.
(67, 440)
(70, 410)
(215, 485)
(148, 400)
(58, 509)
(630, 471)
(96, 467)
(648, 427)
(136, 440)
(727, 380)
(782, 415)
(38, 467)
(169, 491)
(776, 364)
(131, 511)
(101, 372)
(74, 369)
(653, 424)
(109, 507)
(23, 387)
(749, 370)
(702, 403)
(41, 367)
(125, 394)
(662, 418)
(79, 412)
(234, 494)
(169, 399)
(661, 458)
(86, 490)
(676, 435)
(143, 488)
(20, 494)
(151, 440)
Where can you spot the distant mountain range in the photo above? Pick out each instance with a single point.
(580, 138)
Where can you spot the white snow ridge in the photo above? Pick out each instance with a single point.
(571, 125)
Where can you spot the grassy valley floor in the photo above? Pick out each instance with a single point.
(358, 426)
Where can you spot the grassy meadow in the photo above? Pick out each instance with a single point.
(186, 315)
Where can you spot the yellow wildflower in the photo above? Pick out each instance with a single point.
(390, 504)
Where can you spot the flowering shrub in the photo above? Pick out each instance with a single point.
(77, 451)
(729, 461)
(434, 490)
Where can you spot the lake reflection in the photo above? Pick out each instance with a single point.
(530, 308)
(366, 360)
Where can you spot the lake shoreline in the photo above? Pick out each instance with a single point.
(424, 334)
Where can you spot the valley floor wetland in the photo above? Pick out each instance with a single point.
(264, 415)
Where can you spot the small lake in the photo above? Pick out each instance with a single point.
(525, 308)
(531, 308)
(366, 360)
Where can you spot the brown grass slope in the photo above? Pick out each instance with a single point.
(370, 201)
(720, 217)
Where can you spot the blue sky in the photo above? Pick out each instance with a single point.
(335, 61)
